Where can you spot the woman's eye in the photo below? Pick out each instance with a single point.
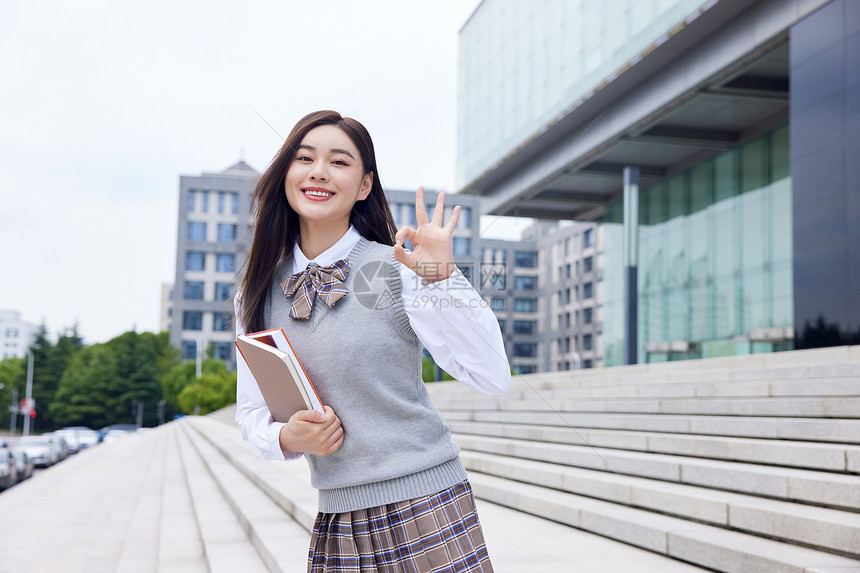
(341, 162)
(303, 158)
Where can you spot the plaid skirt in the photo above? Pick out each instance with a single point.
(437, 533)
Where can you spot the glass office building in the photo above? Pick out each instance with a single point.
(715, 259)
(523, 63)
(736, 122)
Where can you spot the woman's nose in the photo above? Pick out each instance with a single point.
(318, 173)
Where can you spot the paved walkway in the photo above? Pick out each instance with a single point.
(166, 500)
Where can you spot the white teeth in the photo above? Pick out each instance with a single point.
(318, 193)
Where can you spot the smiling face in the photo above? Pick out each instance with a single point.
(326, 178)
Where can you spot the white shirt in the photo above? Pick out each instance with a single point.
(449, 317)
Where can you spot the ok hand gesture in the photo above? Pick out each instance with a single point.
(433, 257)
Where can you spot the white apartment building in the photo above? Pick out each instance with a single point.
(16, 335)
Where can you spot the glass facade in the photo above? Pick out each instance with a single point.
(715, 258)
(523, 63)
(825, 170)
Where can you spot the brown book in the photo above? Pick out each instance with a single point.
(279, 373)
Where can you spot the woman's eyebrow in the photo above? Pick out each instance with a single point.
(335, 150)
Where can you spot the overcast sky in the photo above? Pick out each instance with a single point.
(104, 104)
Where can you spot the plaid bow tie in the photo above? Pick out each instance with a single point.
(304, 287)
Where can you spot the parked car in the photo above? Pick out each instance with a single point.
(60, 445)
(38, 449)
(118, 431)
(86, 436)
(8, 467)
(25, 464)
(71, 437)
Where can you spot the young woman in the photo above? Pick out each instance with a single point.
(329, 267)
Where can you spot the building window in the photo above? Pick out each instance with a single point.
(461, 246)
(465, 217)
(497, 303)
(224, 263)
(192, 320)
(466, 269)
(587, 315)
(567, 271)
(220, 202)
(234, 203)
(567, 296)
(567, 320)
(525, 369)
(524, 327)
(189, 206)
(223, 291)
(12, 333)
(587, 342)
(588, 290)
(189, 350)
(588, 264)
(195, 231)
(587, 363)
(221, 321)
(193, 290)
(525, 305)
(205, 207)
(226, 232)
(525, 350)
(525, 283)
(567, 246)
(588, 238)
(525, 259)
(501, 325)
(222, 350)
(195, 261)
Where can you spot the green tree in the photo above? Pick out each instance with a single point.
(104, 382)
(215, 389)
(173, 383)
(13, 376)
(136, 378)
(82, 395)
(49, 364)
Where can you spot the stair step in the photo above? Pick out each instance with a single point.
(828, 529)
(180, 548)
(274, 478)
(225, 542)
(815, 430)
(809, 455)
(281, 542)
(815, 407)
(696, 543)
(821, 488)
(143, 517)
(629, 389)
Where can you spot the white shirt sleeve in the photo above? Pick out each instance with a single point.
(255, 421)
(458, 329)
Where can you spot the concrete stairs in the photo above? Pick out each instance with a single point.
(739, 464)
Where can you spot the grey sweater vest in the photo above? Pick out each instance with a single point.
(365, 362)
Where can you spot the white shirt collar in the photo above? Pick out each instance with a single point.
(338, 251)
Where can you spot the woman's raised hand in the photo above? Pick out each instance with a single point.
(433, 256)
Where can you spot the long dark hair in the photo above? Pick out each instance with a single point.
(276, 224)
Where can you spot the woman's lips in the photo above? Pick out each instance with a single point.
(317, 193)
